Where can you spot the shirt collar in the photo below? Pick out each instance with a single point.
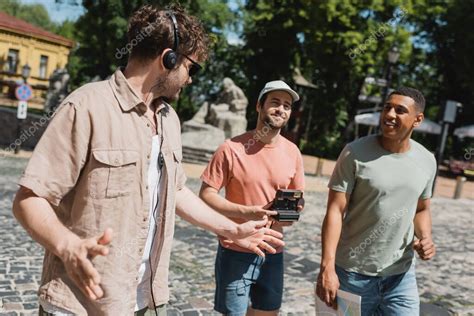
(126, 95)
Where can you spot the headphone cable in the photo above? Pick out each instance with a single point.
(160, 166)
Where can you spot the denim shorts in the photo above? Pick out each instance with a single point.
(243, 278)
(395, 295)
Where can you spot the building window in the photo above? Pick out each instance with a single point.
(12, 61)
(43, 66)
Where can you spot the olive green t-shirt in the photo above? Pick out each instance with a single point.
(384, 188)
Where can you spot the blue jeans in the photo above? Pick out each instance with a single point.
(395, 295)
(240, 276)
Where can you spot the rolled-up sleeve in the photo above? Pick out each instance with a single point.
(180, 174)
(60, 155)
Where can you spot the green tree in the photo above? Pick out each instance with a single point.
(102, 30)
(35, 14)
(450, 74)
(320, 38)
(225, 60)
(350, 41)
(271, 30)
(336, 44)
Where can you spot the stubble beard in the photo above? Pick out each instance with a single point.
(165, 87)
(267, 121)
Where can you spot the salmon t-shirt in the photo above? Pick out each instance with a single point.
(251, 171)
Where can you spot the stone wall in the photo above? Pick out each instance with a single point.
(31, 129)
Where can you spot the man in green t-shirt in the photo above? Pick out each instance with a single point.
(379, 200)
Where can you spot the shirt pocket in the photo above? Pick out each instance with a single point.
(114, 173)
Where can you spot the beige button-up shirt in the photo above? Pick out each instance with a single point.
(91, 165)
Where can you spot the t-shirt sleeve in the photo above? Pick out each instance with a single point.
(297, 183)
(343, 176)
(60, 155)
(428, 191)
(218, 172)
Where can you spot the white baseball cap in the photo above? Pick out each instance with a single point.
(278, 85)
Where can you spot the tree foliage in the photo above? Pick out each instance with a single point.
(35, 14)
(101, 31)
(335, 44)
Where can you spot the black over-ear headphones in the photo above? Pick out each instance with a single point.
(170, 59)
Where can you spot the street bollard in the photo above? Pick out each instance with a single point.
(319, 167)
(19, 124)
(459, 184)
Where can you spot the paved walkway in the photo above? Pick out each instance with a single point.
(447, 281)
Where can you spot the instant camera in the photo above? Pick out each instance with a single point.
(286, 204)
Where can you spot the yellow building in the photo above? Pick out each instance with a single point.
(21, 44)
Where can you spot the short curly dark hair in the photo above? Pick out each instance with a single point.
(413, 93)
(150, 31)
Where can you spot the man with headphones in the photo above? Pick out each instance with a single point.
(102, 187)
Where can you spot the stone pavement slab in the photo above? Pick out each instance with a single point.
(446, 282)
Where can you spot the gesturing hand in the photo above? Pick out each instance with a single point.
(77, 257)
(254, 236)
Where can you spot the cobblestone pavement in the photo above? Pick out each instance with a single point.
(446, 282)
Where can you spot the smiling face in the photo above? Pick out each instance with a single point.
(275, 110)
(399, 117)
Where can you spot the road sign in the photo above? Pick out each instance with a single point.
(24, 92)
(22, 110)
(450, 111)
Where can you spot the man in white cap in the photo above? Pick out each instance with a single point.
(252, 167)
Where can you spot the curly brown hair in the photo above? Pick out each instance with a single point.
(150, 31)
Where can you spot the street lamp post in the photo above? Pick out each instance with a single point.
(25, 74)
(392, 58)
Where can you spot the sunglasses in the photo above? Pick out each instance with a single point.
(194, 68)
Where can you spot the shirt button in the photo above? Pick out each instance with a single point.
(147, 156)
(145, 219)
(148, 124)
(116, 161)
(146, 187)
